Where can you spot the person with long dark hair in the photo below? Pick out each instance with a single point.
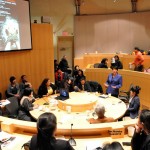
(26, 105)
(141, 137)
(134, 102)
(113, 146)
(46, 88)
(45, 138)
(103, 63)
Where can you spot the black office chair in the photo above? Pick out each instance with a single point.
(125, 95)
(95, 86)
(12, 108)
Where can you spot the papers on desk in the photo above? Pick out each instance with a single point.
(93, 145)
(3, 103)
(104, 96)
(8, 141)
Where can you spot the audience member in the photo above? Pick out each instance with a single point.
(100, 113)
(113, 146)
(63, 65)
(26, 105)
(78, 77)
(23, 82)
(55, 65)
(134, 103)
(46, 88)
(117, 63)
(141, 137)
(13, 88)
(75, 71)
(103, 63)
(1, 107)
(45, 138)
(68, 84)
(59, 76)
(113, 83)
(83, 86)
(138, 61)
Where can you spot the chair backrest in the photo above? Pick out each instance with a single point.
(13, 107)
(95, 86)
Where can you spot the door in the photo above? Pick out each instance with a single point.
(65, 47)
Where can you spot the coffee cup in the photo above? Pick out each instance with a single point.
(131, 131)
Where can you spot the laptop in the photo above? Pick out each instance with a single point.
(64, 94)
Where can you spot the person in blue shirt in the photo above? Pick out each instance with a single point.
(114, 82)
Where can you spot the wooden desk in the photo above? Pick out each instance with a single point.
(80, 143)
(79, 119)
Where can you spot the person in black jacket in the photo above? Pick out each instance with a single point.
(45, 138)
(141, 137)
(63, 65)
(103, 63)
(116, 62)
(83, 86)
(46, 88)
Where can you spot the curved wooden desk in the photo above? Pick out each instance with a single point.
(79, 119)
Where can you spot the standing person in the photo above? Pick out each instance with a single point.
(26, 105)
(59, 76)
(134, 103)
(13, 88)
(138, 61)
(114, 82)
(55, 65)
(141, 137)
(46, 88)
(103, 63)
(117, 62)
(45, 138)
(63, 65)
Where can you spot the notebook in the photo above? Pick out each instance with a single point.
(64, 94)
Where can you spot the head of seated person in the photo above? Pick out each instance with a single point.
(99, 111)
(103, 63)
(113, 146)
(24, 79)
(45, 138)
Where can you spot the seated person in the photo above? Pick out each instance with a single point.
(13, 88)
(59, 76)
(113, 146)
(68, 84)
(29, 85)
(45, 137)
(78, 77)
(100, 112)
(83, 86)
(75, 71)
(134, 103)
(23, 82)
(46, 88)
(116, 62)
(141, 137)
(26, 105)
(103, 63)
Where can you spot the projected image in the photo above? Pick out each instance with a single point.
(15, 30)
(10, 34)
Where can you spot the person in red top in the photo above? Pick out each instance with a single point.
(138, 61)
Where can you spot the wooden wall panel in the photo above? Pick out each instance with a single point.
(96, 58)
(37, 63)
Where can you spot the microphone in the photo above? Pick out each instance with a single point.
(72, 140)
